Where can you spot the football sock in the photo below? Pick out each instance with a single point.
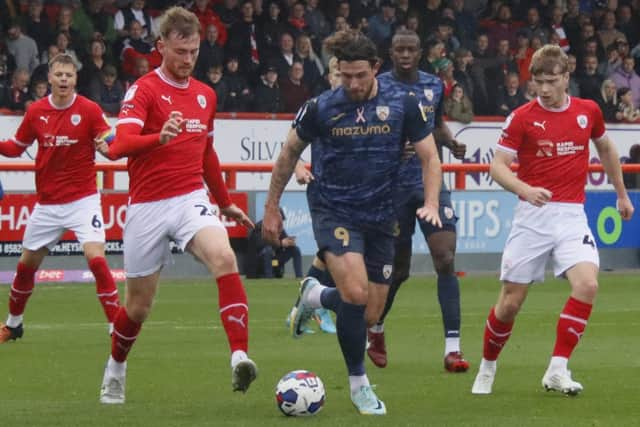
(330, 299)
(357, 381)
(106, 288)
(451, 345)
(125, 332)
(377, 329)
(237, 357)
(327, 279)
(234, 311)
(449, 298)
(496, 334)
(316, 273)
(352, 331)
(571, 325)
(118, 369)
(20, 293)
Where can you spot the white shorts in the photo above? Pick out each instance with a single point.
(150, 227)
(557, 230)
(47, 223)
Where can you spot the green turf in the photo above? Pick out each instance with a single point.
(179, 371)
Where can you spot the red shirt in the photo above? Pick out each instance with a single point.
(553, 145)
(65, 163)
(175, 168)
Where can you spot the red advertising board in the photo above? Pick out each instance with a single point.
(16, 208)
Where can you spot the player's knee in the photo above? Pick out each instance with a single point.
(354, 295)
(507, 309)
(586, 289)
(443, 262)
(223, 262)
(138, 310)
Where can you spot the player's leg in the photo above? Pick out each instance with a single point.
(575, 257)
(139, 294)
(20, 291)
(43, 230)
(85, 220)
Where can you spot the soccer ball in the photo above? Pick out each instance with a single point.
(107, 136)
(300, 393)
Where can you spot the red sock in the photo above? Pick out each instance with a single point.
(106, 288)
(125, 332)
(21, 289)
(571, 324)
(234, 311)
(496, 334)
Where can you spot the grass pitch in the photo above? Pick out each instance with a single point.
(179, 372)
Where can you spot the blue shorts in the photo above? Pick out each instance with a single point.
(339, 236)
(406, 203)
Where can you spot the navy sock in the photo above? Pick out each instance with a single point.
(330, 298)
(352, 332)
(449, 297)
(327, 280)
(316, 273)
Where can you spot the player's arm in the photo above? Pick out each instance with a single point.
(500, 171)
(303, 175)
(611, 163)
(14, 147)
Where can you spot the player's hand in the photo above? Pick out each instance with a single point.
(408, 151)
(303, 175)
(430, 214)
(272, 225)
(102, 147)
(234, 212)
(458, 149)
(537, 196)
(172, 127)
(625, 207)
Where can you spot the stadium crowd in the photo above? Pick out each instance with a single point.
(267, 56)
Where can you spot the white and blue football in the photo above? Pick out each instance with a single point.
(300, 393)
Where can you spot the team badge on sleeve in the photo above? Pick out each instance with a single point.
(382, 111)
(582, 121)
(130, 93)
(202, 101)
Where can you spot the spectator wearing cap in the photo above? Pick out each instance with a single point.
(22, 47)
(268, 97)
(625, 76)
(294, 92)
(16, 95)
(382, 24)
(211, 53)
(607, 33)
(107, 91)
(533, 26)
(509, 96)
(36, 25)
(240, 95)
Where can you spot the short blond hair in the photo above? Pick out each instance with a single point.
(549, 59)
(180, 21)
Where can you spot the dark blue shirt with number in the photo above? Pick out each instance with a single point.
(429, 90)
(356, 150)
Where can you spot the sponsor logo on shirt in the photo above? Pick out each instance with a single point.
(195, 126)
(566, 148)
(58, 141)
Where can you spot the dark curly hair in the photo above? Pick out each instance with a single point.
(351, 45)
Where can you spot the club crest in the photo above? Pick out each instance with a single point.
(428, 93)
(75, 119)
(202, 101)
(387, 270)
(582, 121)
(382, 111)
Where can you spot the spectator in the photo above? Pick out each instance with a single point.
(466, 23)
(207, 17)
(434, 50)
(523, 54)
(23, 48)
(632, 180)
(227, 10)
(558, 28)
(39, 89)
(108, 91)
(294, 91)
(268, 98)
(102, 23)
(36, 25)
(313, 68)
(91, 67)
(625, 76)
(630, 113)
(239, 93)
(510, 96)
(574, 87)
(457, 106)
(211, 53)
(265, 260)
(403, 9)
(607, 32)
(613, 61)
(503, 28)
(430, 16)
(504, 65)
(124, 17)
(608, 102)
(214, 79)
(285, 56)
(272, 28)
(296, 22)
(589, 81)
(243, 41)
(625, 23)
(444, 33)
(65, 24)
(142, 67)
(444, 68)
(530, 90)
(533, 26)
(382, 25)
(134, 46)
(570, 22)
(42, 71)
(463, 72)
(16, 95)
(622, 46)
(7, 65)
(319, 27)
